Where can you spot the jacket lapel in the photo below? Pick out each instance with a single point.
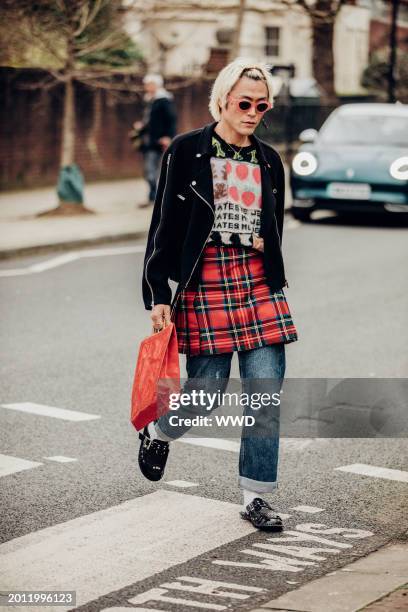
(202, 184)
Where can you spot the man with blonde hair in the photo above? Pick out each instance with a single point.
(216, 230)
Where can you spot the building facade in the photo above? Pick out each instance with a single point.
(177, 36)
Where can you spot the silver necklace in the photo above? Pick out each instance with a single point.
(236, 153)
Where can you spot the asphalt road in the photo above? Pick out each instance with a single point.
(70, 335)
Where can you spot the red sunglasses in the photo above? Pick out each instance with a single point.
(244, 105)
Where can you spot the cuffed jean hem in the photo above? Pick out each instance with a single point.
(162, 435)
(257, 486)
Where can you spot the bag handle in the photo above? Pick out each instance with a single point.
(155, 331)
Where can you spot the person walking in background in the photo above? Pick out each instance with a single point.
(156, 130)
(217, 230)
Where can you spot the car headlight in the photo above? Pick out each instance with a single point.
(399, 169)
(304, 163)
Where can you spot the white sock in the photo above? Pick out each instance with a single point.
(249, 496)
(153, 433)
(152, 430)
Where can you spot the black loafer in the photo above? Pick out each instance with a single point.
(262, 515)
(152, 456)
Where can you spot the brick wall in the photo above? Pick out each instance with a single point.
(30, 128)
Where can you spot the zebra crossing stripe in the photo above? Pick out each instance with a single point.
(137, 530)
(374, 471)
(51, 411)
(11, 465)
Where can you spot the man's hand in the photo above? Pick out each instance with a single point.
(165, 141)
(160, 314)
(258, 243)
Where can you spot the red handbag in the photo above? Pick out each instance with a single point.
(157, 375)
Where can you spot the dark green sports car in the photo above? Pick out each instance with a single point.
(356, 162)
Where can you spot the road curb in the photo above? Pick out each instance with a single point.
(75, 244)
(69, 244)
(351, 588)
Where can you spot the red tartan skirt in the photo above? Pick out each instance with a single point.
(232, 308)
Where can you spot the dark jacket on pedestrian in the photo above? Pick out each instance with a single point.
(160, 120)
(183, 216)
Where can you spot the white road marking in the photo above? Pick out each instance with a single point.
(376, 472)
(183, 484)
(14, 272)
(312, 553)
(60, 459)
(286, 444)
(66, 258)
(137, 530)
(11, 465)
(269, 562)
(61, 260)
(311, 509)
(196, 585)
(212, 587)
(51, 411)
(157, 594)
(228, 445)
(301, 556)
(127, 609)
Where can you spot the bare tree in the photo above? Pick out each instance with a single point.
(323, 15)
(74, 41)
(236, 40)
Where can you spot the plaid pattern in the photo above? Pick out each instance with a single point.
(233, 308)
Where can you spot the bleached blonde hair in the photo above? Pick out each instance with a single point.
(228, 77)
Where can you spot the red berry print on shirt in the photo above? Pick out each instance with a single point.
(228, 168)
(242, 171)
(256, 173)
(233, 192)
(248, 198)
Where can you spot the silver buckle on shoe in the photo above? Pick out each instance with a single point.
(147, 444)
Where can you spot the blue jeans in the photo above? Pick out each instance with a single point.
(151, 171)
(258, 457)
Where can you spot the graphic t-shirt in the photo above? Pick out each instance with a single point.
(237, 193)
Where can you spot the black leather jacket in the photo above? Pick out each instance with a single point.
(183, 216)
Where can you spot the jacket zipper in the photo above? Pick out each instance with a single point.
(209, 206)
(157, 228)
(196, 261)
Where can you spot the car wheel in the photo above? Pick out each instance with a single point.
(301, 214)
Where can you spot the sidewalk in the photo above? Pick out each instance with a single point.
(114, 202)
(375, 583)
(117, 218)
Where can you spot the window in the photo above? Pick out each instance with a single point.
(272, 35)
